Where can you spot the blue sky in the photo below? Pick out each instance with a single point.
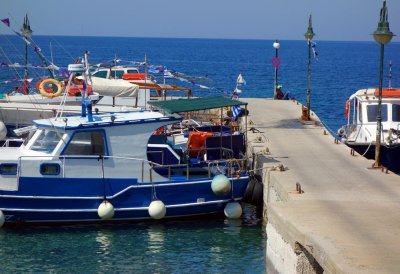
(346, 20)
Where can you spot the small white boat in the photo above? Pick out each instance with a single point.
(360, 131)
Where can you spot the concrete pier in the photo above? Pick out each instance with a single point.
(326, 210)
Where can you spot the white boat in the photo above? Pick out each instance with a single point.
(360, 131)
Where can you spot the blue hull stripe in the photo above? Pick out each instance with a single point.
(116, 209)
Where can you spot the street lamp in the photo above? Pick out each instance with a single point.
(382, 36)
(309, 36)
(275, 63)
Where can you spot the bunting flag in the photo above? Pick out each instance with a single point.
(240, 80)
(6, 21)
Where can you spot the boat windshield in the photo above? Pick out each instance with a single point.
(46, 141)
(396, 113)
(372, 111)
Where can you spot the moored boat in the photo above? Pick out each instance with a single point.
(360, 131)
(121, 166)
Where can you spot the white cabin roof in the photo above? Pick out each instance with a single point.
(102, 120)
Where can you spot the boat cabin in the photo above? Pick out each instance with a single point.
(362, 109)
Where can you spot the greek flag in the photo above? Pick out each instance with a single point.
(236, 110)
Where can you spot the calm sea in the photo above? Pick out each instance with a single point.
(206, 246)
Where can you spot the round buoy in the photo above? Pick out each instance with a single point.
(105, 210)
(220, 185)
(3, 130)
(233, 210)
(2, 218)
(157, 209)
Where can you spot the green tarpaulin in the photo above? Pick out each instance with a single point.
(186, 105)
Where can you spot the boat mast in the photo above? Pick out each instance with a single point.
(27, 33)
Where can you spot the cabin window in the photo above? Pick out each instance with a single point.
(117, 74)
(46, 141)
(8, 169)
(395, 113)
(86, 143)
(132, 71)
(101, 74)
(50, 169)
(372, 111)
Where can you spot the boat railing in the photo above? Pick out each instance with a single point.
(147, 168)
(351, 128)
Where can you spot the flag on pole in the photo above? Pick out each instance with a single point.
(236, 110)
(314, 49)
(6, 21)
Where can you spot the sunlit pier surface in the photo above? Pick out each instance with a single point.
(326, 209)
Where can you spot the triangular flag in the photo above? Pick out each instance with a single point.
(6, 21)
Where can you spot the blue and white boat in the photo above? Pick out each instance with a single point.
(121, 167)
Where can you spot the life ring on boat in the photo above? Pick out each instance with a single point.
(347, 108)
(47, 91)
(50, 90)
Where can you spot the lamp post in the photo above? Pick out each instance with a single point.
(382, 36)
(309, 36)
(276, 45)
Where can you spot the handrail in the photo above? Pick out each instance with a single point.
(151, 165)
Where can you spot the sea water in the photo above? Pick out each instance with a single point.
(189, 246)
(340, 68)
(215, 245)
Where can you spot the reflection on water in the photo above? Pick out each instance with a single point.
(200, 246)
(156, 238)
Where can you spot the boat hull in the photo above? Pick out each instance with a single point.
(389, 154)
(77, 200)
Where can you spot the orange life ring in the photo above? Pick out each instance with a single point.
(347, 108)
(46, 88)
(50, 90)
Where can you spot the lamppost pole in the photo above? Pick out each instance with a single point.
(309, 36)
(276, 45)
(382, 35)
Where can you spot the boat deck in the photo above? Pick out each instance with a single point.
(348, 216)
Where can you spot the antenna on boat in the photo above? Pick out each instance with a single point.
(86, 102)
(390, 74)
(27, 33)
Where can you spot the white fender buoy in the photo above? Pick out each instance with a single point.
(3, 130)
(233, 210)
(105, 210)
(220, 185)
(2, 218)
(157, 209)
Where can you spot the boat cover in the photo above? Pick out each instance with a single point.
(186, 105)
(114, 87)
